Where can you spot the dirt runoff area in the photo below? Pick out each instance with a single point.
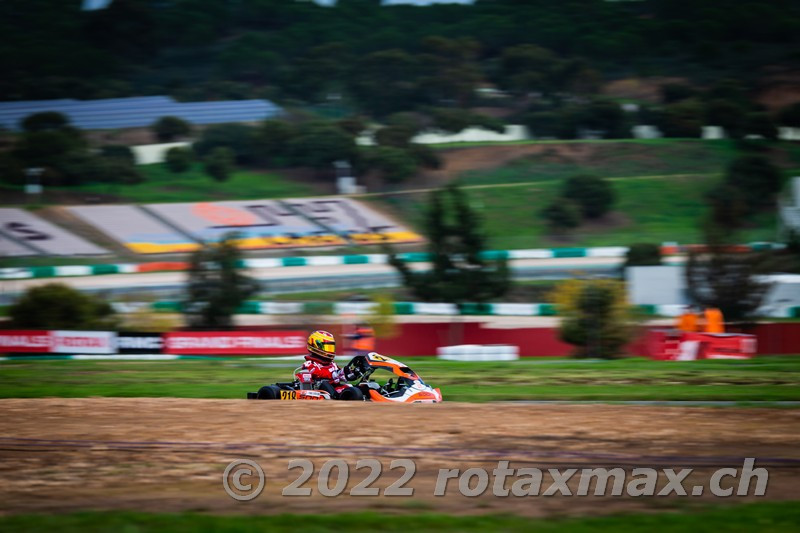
(167, 454)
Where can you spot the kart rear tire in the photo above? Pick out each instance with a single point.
(352, 394)
(269, 392)
(325, 386)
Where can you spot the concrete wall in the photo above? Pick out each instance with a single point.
(148, 154)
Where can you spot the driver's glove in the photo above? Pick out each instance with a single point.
(351, 373)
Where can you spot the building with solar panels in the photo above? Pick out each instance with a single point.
(136, 112)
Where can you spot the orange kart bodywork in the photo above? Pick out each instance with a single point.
(419, 397)
(403, 385)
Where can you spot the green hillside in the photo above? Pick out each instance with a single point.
(660, 187)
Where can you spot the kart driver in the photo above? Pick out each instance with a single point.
(319, 365)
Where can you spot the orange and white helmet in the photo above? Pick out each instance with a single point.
(322, 346)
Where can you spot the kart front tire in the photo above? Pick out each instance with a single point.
(352, 394)
(269, 392)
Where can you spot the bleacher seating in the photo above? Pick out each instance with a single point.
(40, 236)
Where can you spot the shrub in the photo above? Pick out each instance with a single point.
(59, 306)
(219, 163)
(596, 317)
(179, 159)
(170, 128)
(562, 215)
(593, 195)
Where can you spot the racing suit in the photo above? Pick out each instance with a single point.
(315, 370)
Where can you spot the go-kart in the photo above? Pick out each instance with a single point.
(403, 385)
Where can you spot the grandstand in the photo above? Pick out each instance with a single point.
(134, 112)
(260, 224)
(22, 233)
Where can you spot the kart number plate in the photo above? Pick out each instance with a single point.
(288, 395)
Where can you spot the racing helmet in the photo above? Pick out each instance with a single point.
(322, 346)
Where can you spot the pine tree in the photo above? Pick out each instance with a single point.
(726, 280)
(216, 286)
(459, 272)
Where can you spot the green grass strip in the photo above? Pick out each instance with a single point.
(765, 517)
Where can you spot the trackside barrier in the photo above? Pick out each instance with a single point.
(284, 342)
(478, 352)
(415, 308)
(411, 339)
(328, 260)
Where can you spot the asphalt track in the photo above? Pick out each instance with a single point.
(310, 278)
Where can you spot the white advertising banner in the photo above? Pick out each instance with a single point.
(89, 342)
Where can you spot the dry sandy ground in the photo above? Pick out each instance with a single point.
(169, 454)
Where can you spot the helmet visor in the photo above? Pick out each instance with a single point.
(325, 346)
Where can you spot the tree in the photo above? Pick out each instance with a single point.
(169, 128)
(239, 138)
(399, 130)
(527, 67)
(179, 159)
(757, 178)
(319, 144)
(593, 194)
(274, 141)
(683, 119)
(725, 280)
(727, 114)
(12, 170)
(382, 317)
(543, 124)
(450, 70)
(643, 254)
(456, 120)
(790, 116)
(59, 306)
(48, 147)
(676, 92)
(728, 207)
(75, 168)
(216, 286)
(606, 116)
(562, 215)
(458, 272)
(120, 152)
(596, 317)
(386, 82)
(395, 164)
(759, 123)
(425, 156)
(44, 121)
(219, 163)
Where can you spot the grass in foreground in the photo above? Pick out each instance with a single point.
(764, 379)
(763, 516)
